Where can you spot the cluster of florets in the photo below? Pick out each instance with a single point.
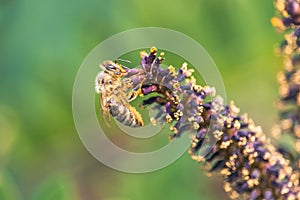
(251, 167)
(289, 102)
(290, 14)
(288, 20)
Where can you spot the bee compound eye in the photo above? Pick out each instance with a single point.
(110, 67)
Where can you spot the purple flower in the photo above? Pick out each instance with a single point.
(251, 167)
(288, 20)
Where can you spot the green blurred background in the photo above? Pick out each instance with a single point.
(42, 44)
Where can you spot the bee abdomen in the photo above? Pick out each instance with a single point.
(126, 114)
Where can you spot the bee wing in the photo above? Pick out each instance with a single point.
(131, 88)
(120, 96)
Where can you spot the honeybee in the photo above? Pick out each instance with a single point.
(115, 94)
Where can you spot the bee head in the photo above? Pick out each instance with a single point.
(112, 67)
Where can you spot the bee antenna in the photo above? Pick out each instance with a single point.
(122, 60)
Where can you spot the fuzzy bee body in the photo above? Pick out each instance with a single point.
(114, 99)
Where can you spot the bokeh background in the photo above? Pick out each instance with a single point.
(43, 43)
